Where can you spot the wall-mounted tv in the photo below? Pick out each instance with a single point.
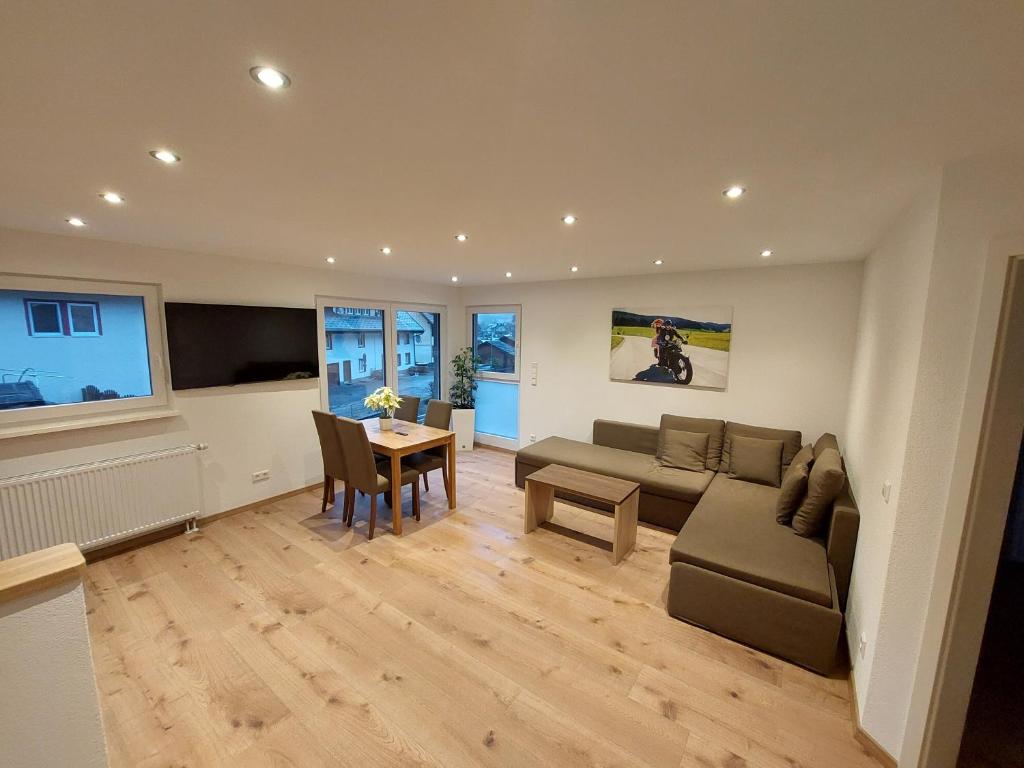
(217, 345)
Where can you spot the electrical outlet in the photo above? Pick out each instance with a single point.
(886, 490)
(533, 438)
(862, 646)
(259, 477)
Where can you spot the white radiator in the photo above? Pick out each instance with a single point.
(96, 504)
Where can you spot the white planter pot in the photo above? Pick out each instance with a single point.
(464, 426)
(386, 423)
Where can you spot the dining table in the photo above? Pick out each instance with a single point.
(405, 438)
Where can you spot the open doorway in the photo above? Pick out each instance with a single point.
(993, 735)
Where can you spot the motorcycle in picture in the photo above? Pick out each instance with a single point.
(672, 358)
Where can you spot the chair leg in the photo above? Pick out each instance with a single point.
(416, 500)
(447, 482)
(332, 490)
(426, 483)
(323, 501)
(350, 505)
(373, 513)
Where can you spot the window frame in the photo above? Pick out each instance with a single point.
(31, 320)
(487, 309)
(63, 416)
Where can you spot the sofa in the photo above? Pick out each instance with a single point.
(734, 569)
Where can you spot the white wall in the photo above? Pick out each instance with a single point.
(249, 427)
(881, 394)
(907, 552)
(793, 338)
(49, 710)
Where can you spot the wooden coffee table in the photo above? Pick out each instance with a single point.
(623, 495)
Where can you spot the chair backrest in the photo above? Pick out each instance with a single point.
(409, 410)
(439, 414)
(359, 462)
(330, 444)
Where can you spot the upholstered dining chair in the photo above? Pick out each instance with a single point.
(409, 410)
(439, 415)
(363, 473)
(334, 461)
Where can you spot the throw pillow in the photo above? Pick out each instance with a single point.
(824, 483)
(684, 450)
(794, 486)
(756, 460)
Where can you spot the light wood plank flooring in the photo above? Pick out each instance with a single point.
(278, 637)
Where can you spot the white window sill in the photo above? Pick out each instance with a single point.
(87, 422)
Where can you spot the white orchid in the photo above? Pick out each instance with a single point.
(384, 400)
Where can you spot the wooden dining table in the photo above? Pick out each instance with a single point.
(394, 444)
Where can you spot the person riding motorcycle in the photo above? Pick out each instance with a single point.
(665, 333)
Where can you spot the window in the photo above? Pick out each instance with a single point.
(494, 334)
(403, 350)
(44, 318)
(330, 341)
(75, 350)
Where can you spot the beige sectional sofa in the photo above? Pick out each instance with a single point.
(734, 569)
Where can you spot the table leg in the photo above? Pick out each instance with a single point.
(540, 504)
(451, 472)
(625, 526)
(396, 494)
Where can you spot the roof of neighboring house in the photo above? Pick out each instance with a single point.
(501, 346)
(366, 323)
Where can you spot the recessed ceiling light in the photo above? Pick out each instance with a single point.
(462, 237)
(569, 218)
(455, 278)
(330, 259)
(74, 221)
(734, 192)
(574, 268)
(386, 250)
(270, 77)
(508, 274)
(165, 156)
(658, 262)
(766, 253)
(112, 197)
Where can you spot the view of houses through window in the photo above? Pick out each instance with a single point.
(63, 348)
(356, 350)
(494, 331)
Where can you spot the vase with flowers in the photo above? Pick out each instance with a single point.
(386, 401)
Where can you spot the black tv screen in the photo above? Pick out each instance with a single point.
(216, 345)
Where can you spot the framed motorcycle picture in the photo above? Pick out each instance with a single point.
(684, 346)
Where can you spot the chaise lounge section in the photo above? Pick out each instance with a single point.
(735, 569)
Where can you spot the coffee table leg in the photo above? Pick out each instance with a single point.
(540, 504)
(625, 527)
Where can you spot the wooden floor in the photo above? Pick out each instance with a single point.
(277, 637)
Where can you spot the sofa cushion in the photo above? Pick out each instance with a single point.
(715, 429)
(639, 467)
(794, 487)
(756, 460)
(684, 450)
(826, 480)
(733, 532)
(626, 436)
(790, 440)
(827, 440)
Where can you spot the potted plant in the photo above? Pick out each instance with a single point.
(386, 401)
(462, 398)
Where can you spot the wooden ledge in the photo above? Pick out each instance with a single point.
(36, 571)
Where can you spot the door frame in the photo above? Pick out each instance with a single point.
(982, 535)
(484, 438)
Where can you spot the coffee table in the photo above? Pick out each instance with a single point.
(623, 495)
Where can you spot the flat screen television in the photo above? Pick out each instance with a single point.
(217, 345)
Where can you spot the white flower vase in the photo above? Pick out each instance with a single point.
(387, 423)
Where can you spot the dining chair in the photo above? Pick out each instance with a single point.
(409, 410)
(439, 415)
(363, 473)
(333, 458)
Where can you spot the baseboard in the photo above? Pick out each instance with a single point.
(872, 747)
(151, 537)
(489, 447)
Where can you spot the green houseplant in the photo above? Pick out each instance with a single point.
(383, 399)
(463, 398)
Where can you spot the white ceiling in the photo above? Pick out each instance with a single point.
(407, 122)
